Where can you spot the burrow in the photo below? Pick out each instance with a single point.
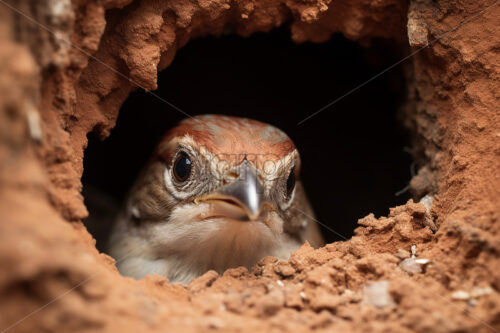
(80, 90)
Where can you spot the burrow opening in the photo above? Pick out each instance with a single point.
(354, 153)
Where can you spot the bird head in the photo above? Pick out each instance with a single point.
(241, 169)
(218, 191)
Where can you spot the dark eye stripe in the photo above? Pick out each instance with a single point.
(182, 167)
(290, 182)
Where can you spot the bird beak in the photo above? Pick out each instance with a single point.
(246, 192)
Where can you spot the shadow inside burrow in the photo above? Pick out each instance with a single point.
(353, 158)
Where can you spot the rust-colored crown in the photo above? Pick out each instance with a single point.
(221, 134)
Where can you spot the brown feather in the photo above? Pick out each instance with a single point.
(238, 138)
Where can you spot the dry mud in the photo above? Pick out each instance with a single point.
(53, 279)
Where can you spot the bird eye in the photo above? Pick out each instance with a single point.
(182, 167)
(290, 182)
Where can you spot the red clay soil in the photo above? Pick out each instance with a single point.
(53, 279)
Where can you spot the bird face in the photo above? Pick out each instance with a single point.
(243, 187)
(217, 194)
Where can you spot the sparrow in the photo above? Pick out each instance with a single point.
(218, 192)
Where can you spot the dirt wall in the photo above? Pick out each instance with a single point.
(53, 93)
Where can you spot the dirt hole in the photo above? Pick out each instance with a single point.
(354, 158)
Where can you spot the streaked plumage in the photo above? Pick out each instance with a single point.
(233, 208)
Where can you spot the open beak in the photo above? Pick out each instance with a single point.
(243, 197)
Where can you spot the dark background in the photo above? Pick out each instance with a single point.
(353, 157)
